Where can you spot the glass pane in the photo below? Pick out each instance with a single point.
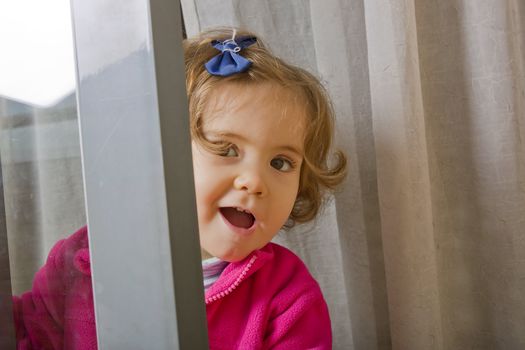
(41, 173)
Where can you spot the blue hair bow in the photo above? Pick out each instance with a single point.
(229, 61)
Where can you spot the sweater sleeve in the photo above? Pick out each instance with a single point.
(41, 315)
(305, 324)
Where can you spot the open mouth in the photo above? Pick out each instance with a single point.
(238, 217)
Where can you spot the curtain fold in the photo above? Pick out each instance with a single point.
(423, 248)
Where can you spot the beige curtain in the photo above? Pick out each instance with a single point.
(424, 247)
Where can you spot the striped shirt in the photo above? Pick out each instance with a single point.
(211, 270)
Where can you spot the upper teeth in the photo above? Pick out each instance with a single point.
(240, 209)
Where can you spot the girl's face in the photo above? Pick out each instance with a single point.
(246, 191)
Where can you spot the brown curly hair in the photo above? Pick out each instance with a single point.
(317, 175)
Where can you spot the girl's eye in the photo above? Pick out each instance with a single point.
(282, 164)
(229, 152)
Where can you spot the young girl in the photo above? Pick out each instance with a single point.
(261, 135)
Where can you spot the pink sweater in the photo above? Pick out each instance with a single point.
(267, 301)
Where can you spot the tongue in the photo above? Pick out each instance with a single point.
(238, 218)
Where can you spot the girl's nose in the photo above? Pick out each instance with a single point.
(252, 182)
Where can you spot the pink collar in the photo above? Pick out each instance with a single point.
(236, 272)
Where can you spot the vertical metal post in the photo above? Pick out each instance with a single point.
(166, 24)
(7, 331)
(138, 177)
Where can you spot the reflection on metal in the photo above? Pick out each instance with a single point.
(138, 177)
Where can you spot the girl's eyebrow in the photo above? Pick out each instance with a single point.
(289, 148)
